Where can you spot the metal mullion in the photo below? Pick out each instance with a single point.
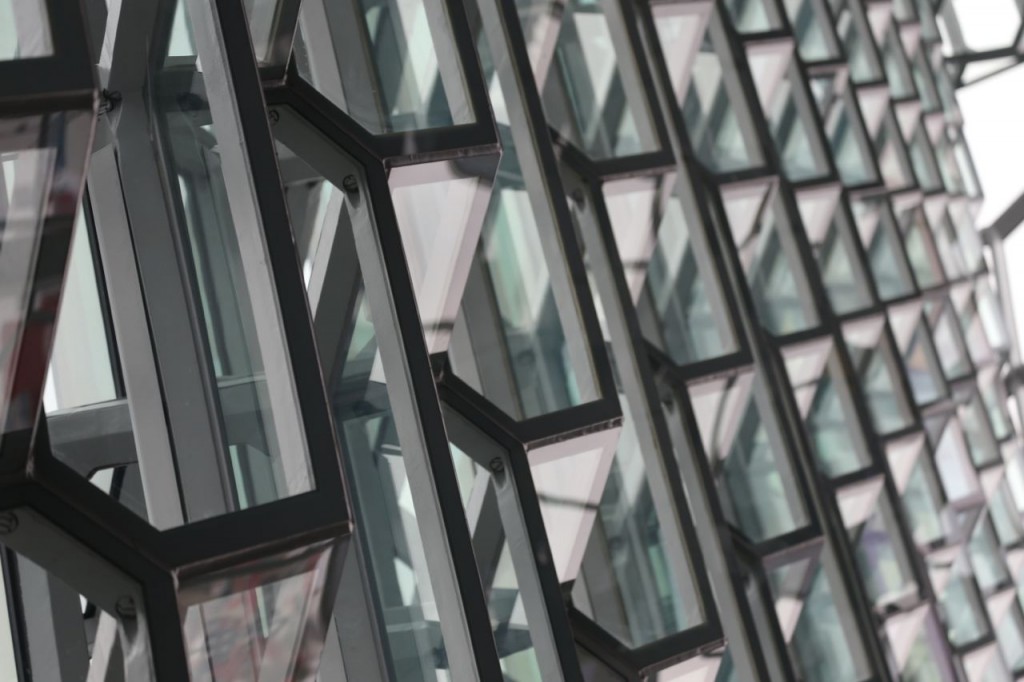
(662, 471)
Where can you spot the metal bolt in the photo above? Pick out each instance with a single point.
(350, 184)
(125, 607)
(497, 466)
(8, 522)
(274, 115)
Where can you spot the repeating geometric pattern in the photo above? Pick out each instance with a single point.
(503, 340)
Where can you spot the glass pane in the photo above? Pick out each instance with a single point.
(388, 64)
(964, 620)
(1010, 636)
(715, 113)
(512, 341)
(987, 558)
(974, 420)
(823, 643)
(920, 249)
(885, 402)
(591, 95)
(825, 408)
(921, 505)
(753, 475)
(494, 561)
(382, 501)
(878, 233)
(882, 560)
(265, 459)
(849, 143)
(668, 274)
(24, 30)
(947, 342)
(634, 583)
(235, 631)
(794, 131)
(810, 30)
(921, 365)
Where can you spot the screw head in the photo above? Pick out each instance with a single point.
(496, 465)
(350, 184)
(125, 607)
(274, 115)
(8, 522)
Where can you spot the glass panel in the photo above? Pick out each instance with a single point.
(885, 402)
(388, 64)
(923, 162)
(823, 644)
(24, 30)
(959, 479)
(668, 273)
(794, 131)
(631, 584)
(773, 266)
(751, 16)
(512, 342)
(987, 558)
(947, 342)
(235, 631)
(1005, 518)
(591, 95)
(965, 622)
(494, 561)
(980, 442)
(440, 210)
(920, 249)
(1010, 635)
(882, 560)
(715, 114)
(809, 27)
(834, 251)
(897, 70)
(849, 143)
(922, 507)
(922, 369)
(878, 233)
(857, 42)
(757, 487)
(265, 458)
(824, 405)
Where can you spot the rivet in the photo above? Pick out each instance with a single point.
(497, 466)
(350, 184)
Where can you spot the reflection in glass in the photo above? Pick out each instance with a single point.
(757, 487)
(24, 30)
(986, 557)
(888, 413)
(965, 622)
(881, 559)
(810, 30)
(388, 64)
(794, 131)
(922, 508)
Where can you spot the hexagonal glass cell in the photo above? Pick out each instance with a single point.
(636, 581)
(793, 125)
(877, 368)
(716, 112)
(762, 228)
(963, 611)
(588, 77)
(386, 63)
(882, 560)
(817, 622)
(825, 403)
(812, 28)
(829, 229)
(879, 234)
(679, 298)
(753, 473)
(24, 30)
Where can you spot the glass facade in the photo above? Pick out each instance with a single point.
(479, 340)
